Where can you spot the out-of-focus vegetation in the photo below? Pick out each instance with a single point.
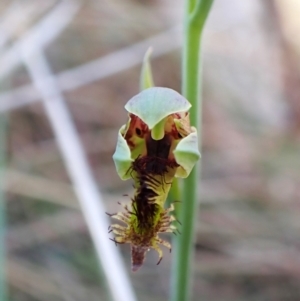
(247, 244)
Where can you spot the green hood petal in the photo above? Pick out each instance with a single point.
(154, 104)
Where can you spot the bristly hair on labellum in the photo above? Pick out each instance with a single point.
(144, 220)
(151, 167)
(146, 217)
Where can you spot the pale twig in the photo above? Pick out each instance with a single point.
(119, 61)
(84, 184)
(40, 36)
(17, 16)
(98, 69)
(77, 166)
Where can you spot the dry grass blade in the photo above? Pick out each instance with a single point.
(44, 230)
(41, 283)
(35, 187)
(103, 67)
(42, 189)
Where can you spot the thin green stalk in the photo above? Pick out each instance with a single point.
(3, 295)
(196, 12)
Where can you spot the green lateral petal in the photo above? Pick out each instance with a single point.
(146, 79)
(186, 154)
(154, 104)
(122, 156)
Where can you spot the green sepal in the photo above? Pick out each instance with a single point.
(154, 104)
(186, 154)
(146, 78)
(122, 156)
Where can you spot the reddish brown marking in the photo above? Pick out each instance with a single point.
(136, 127)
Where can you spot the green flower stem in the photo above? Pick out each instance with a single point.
(3, 295)
(196, 12)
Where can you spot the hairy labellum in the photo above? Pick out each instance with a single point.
(142, 238)
(146, 217)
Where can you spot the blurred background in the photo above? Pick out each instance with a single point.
(247, 243)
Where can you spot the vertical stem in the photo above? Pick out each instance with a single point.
(3, 296)
(196, 12)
